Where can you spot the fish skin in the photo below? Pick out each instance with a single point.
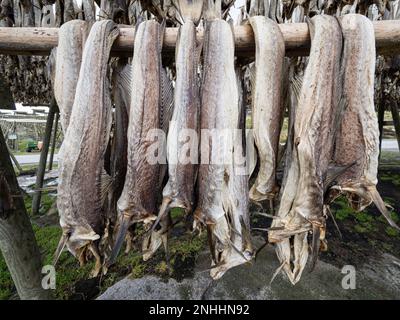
(217, 209)
(314, 132)
(79, 202)
(71, 41)
(267, 104)
(121, 95)
(357, 141)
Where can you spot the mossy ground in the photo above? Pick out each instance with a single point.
(74, 282)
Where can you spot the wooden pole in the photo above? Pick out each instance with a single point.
(381, 116)
(14, 159)
(17, 240)
(396, 119)
(40, 41)
(43, 158)
(53, 143)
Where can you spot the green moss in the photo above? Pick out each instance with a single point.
(187, 247)
(177, 213)
(392, 232)
(360, 228)
(162, 267)
(6, 283)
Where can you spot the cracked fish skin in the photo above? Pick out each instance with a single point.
(267, 106)
(314, 131)
(357, 141)
(72, 37)
(79, 201)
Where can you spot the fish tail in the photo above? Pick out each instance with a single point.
(123, 229)
(60, 248)
(380, 204)
(191, 10)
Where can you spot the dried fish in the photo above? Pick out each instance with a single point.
(357, 143)
(219, 183)
(138, 202)
(183, 131)
(267, 106)
(314, 131)
(72, 37)
(80, 198)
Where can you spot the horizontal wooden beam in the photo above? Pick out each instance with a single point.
(39, 41)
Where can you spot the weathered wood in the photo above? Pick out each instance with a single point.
(43, 158)
(14, 159)
(17, 240)
(54, 141)
(39, 41)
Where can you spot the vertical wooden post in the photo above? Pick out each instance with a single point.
(54, 141)
(43, 158)
(381, 116)
(396, 119)
(17, 240)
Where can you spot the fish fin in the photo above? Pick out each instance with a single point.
(277, 271)
(380, 204)
(334, 221)
(167, 100)
(335, 171)
(107, 183)
(191, 10)
(60, 248)
(122, 230)
(163, 210)
(315, 246)
(246, 234)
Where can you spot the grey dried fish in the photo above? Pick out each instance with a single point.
(183, 131)
(80, 198)
(219, 207)
(357, 143)
(314, 132)
(267, 105)
(138, 202)
(71, 41)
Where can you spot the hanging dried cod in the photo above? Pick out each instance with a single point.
(143, 181)
(80, 191)
(357, 142)
(302, 202)
(267, 106)
(71, 41)
(182, 142)
(222, 192)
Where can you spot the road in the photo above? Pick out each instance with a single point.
(33, 158)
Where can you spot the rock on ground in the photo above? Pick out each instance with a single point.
(376, 279)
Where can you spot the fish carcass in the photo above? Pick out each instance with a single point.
(222, 189)
(80, 198)
(182, 141)
(140, 196)
(267, 106)
(357, 142)
(71, 41)
(302, 206)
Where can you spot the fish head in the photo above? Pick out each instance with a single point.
(79, 238)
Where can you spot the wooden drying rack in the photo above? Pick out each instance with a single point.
(40, 41)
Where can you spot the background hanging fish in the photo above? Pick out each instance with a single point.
(138, 202)
(182, 142)
(357, 142)
(217, 209)
(71, 41)
(267, 106)
(80, 198)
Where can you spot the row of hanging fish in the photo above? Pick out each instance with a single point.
(109, 186)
